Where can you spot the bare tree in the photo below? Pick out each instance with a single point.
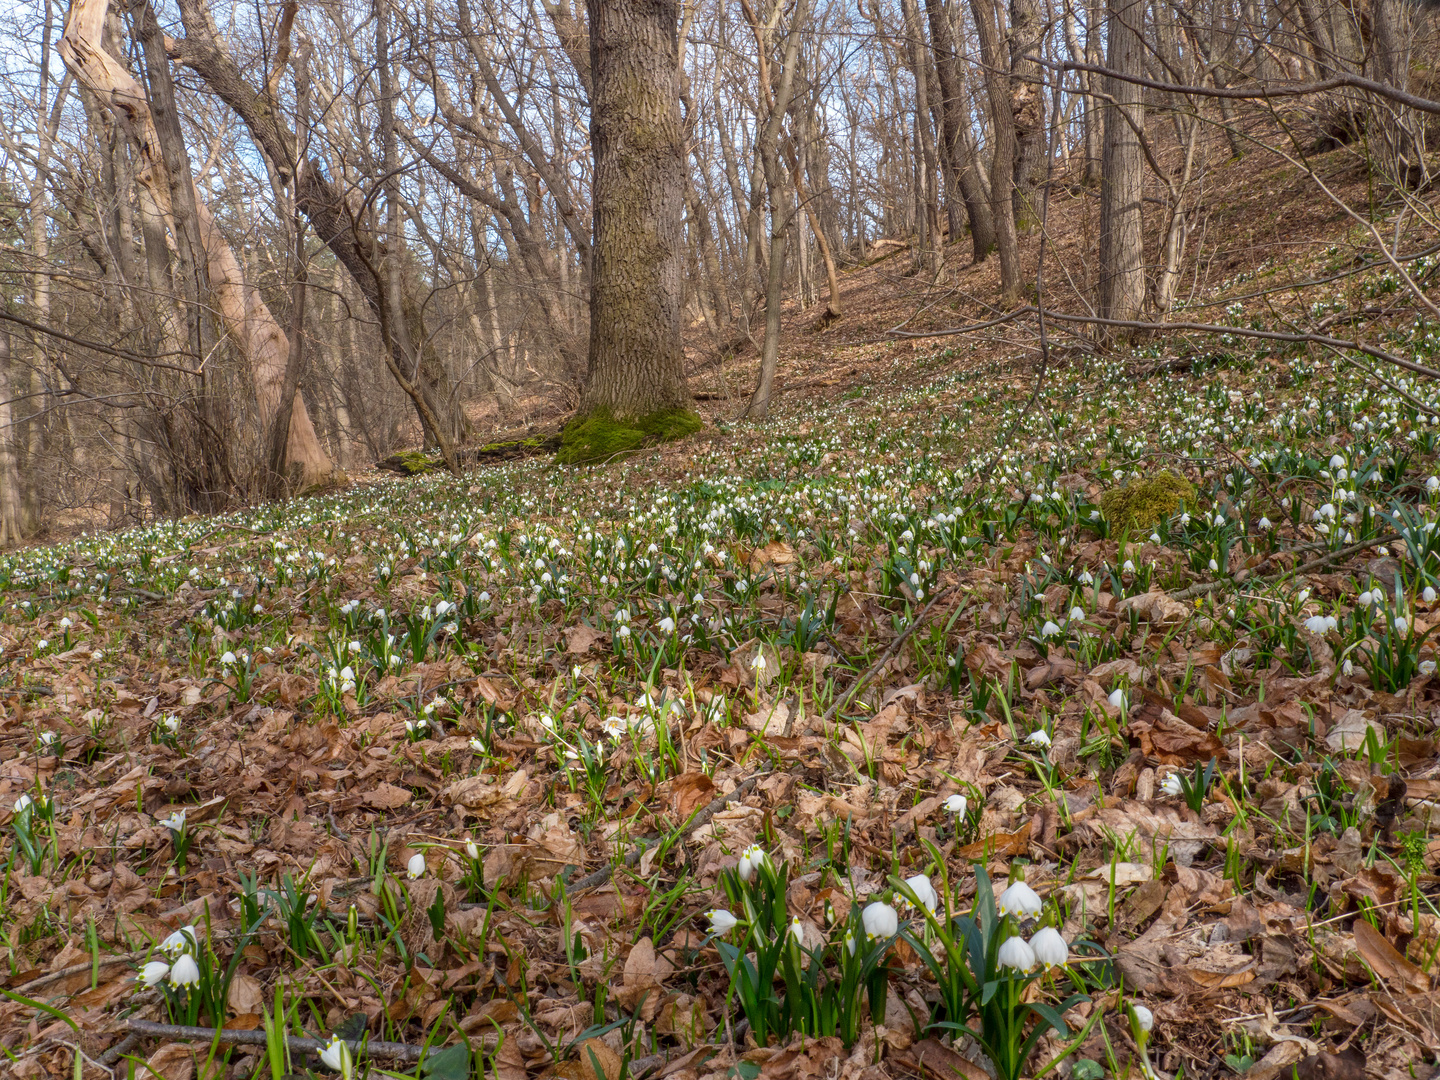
(246, 317)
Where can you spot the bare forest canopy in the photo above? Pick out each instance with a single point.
(249, 250)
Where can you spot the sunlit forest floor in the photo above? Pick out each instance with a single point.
(532, 772)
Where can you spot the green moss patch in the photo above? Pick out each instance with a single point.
(509, 449)
(410, 463)
(1144, 503)
(600, 437)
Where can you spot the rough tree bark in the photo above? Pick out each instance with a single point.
(635, 378)
(241, 309)
(1121, 286)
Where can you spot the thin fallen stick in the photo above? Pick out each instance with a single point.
(890, 650)
(632, 858)
(1304, 568)
(392, 1051)
(29, 988)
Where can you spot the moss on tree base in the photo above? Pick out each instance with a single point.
(600, 437)
(1144, 503)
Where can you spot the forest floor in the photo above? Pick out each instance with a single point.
(463, 768)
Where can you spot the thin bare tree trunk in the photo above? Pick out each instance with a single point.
(1027, 106)
(928, 255)
(767, 140)
(1002, 158)
(12, 508)
(965, 181)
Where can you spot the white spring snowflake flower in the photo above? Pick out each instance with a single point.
(185, 973)
(751, 860)
(1016, 953)
(1019, 899)
(721, 921)
(924, 891)
(1049, 947)
(880, 920)
(153, 973)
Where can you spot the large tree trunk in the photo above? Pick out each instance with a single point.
(636, 362)
(1121, 292)
(962, 177)
(243, 312)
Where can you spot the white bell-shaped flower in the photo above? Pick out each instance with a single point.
(924, 891)
(721, 921)
(1016, 953)
(186, 972)
(1020, 900)
(1049, 947)
(879, 920)
(751, 860)
(153, 973)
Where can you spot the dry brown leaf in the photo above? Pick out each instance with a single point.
(943, 1063)
(997, 845)
(1154, 607)
(1386, 961)
(1348, 733)
(492, 695)
(174, 1061)
(245, 995)
(1174, 741)
(689, 791)
(1277, 1060)
(387, 797)
(580, 637)
(775, 553)
(475, 793)
(599, 1062)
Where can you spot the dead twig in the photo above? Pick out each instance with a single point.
(391, 1051)
(1304, 568)
(700, 817)
(890, 650)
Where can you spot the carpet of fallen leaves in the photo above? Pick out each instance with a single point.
(1289, 924)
